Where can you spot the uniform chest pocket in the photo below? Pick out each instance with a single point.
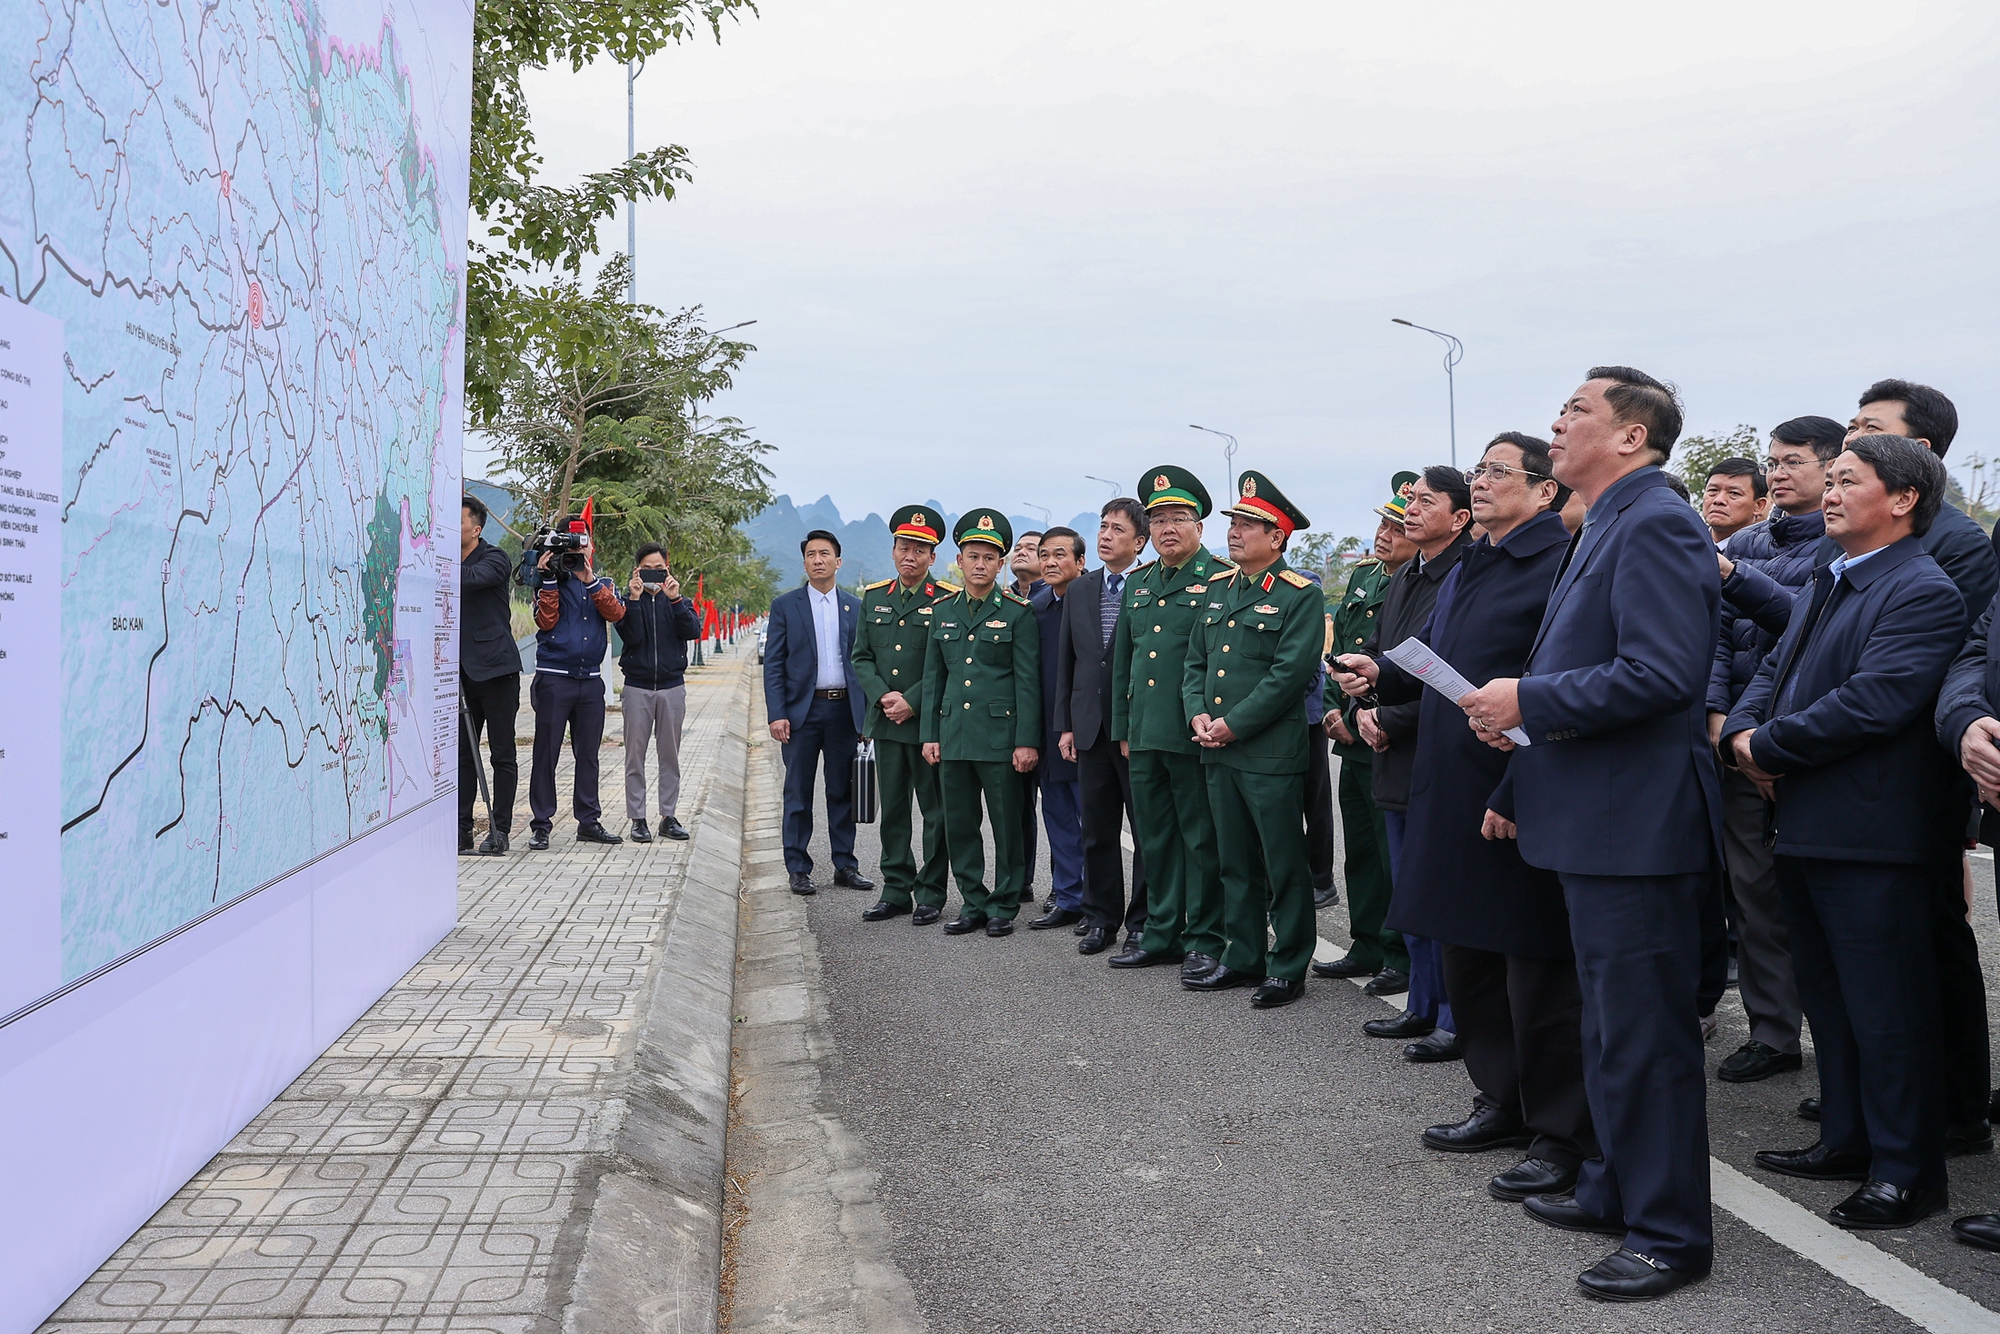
(881, 618)
(996, 647)
(1259, 638)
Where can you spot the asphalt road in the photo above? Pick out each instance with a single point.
(1064, 1147)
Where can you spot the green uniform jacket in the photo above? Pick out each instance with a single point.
(1250, 662)
(1149, 651)
(1353, 625)
(983, 679)
(890, 645)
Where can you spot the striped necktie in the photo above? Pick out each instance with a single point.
(1107, 606)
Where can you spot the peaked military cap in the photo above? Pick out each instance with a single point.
(984, 525)
(918, 524)
(1259, 498)
(1400, 487)
(1168, 485)
(1403, 483)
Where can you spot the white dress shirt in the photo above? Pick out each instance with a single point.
(826, 635)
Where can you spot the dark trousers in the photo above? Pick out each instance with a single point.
(1962, 1033)
(1062, 816)
(1763, 948)
(1427, 995)
(1714, 950)
(1319, 807)
(1106, 790)
(965, 784)
(575, 703)
(1366, 836)
(1862, 954)
(1031, 786)
(1176, 832)
(826, 738)
(902, 777)
(1260, 838)
(492, 705)
(1520, 1021)
(1638, 963)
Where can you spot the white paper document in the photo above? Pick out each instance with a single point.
(1415, 657)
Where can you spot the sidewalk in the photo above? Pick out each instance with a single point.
(524, 1134)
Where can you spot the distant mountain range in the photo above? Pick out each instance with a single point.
(864, 543)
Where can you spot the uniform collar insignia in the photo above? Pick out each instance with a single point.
(1267, 581)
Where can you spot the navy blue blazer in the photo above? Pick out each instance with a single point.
(1048, 614)
(1846, 722)
(1452, 884)
(1619, 778)
(791, 656)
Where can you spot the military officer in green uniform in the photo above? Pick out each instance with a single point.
(1170, 816)
(1251, 658)
(890, 644)
(1375, 951)
(982, 721)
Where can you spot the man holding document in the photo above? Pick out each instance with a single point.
(1618, 795)
(1508, 965)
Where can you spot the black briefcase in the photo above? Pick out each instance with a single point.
(866, 801)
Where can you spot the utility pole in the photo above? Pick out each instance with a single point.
(631, 202)
(1454, 352)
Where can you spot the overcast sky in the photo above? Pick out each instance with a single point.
(991, 249)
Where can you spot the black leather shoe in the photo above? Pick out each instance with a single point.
(925, 914)
(1627, 1276)
(596, 833)
(1389, 982)
(538, 841)
(1344, 966)
(964, 924)
(1096, 940)
(997, 927)
(1972, 1137)
(1055, 917)
(1194, 965)
(1487, 1128)
(494, 844)
(852, 879)
(1816, 1162)
(1277, 991)
(641, 834)
(1439, 1046)
(1080, 929)
(1408, 1024)
(1531, 1176)
(1879, 1207)
(802, 883)
(1562, 1211)
(1809, 1109)
(465, 848)
(1981, 1230)
(1134, 957)
(674, 829)
(1326, 898)
(1756, 1060)
(1221, 978)
(882, 912)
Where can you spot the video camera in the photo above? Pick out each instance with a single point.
(568, 546)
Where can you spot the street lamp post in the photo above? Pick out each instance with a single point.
(1454, 352)
(1228, 455)
(1088, 477)
(631, 203)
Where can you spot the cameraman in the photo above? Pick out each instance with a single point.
(571, 610)
(658, 624)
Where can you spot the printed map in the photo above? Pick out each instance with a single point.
(243, 217)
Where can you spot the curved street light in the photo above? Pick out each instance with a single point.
(1090, 477)
(1454, 352)
(1228, 454)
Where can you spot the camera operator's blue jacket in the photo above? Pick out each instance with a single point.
(570, 616)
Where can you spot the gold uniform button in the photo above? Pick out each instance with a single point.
(901, 623)
(899, 648)
(968, 662)
(1371, 611)
(1220, 672)
(894, 671)
(968, 683)
(1218, 699)
(1156, 629)
(968, 706)
(1149, 682)
(1153, 654)
(1225, 648)
(1232, 625)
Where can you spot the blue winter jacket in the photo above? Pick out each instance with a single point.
(1774, 560)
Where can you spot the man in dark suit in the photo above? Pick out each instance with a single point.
(489, 680)
(814, 702)
(1838, 727)
(1082, 720)
(1062, 562)
(1962, 549)
(1617, 793)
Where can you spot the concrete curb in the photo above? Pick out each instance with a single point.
(650, 1256)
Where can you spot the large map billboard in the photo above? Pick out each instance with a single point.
(231, 262)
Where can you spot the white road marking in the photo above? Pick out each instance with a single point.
(1848, 1257)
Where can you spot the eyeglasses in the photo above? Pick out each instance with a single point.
(1498, 470)
(1787, 465)
(1173, 521)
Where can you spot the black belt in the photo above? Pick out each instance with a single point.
(829, 694)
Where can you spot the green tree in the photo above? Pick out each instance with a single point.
(1328, 556)
(524, 227)
(1696, 455)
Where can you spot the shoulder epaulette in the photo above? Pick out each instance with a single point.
(880, 583)
(1011, 595)
(1224, 563)
(950, 590)
(1146, 565)
(1295, 579)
